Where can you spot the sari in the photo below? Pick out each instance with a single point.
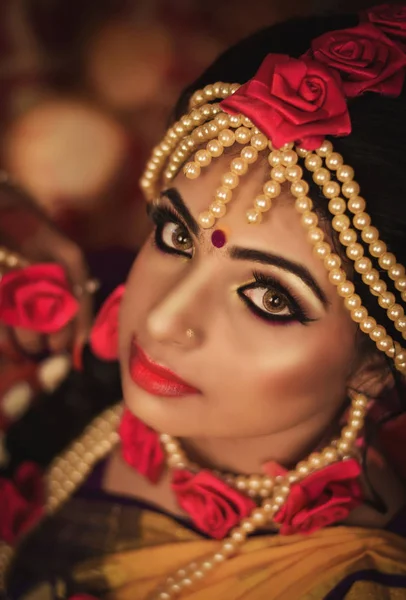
(116, 548)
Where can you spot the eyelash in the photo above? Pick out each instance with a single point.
(163, 215)
(268, 283)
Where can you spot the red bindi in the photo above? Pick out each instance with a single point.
(218, 238)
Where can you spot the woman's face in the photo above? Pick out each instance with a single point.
(254, 328)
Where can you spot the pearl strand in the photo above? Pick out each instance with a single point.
(193, 573)
(212, 91)
(332, 261)
(361, 220)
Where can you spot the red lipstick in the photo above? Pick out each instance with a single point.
(154, 378)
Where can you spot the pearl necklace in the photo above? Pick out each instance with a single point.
(279, 489)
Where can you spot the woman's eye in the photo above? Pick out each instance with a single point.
(269, 300)
(175, 236)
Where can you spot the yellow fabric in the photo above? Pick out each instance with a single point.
(269, 567)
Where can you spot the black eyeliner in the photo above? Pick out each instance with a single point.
(161, 215)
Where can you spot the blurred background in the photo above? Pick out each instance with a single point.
(86, 87)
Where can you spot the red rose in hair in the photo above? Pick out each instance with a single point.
(37, 298)
(293, 100)
(323, 498)
(140, 447)
(104, 334)
(391, 18)
(367, 60)
(213, 506)
(21, 502)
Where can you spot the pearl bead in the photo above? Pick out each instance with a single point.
(219, 557)
(363, 265)
(302, 152)
(218, 209)
(192, 170)
(278, 174)
(345, 289)
(371, 277)
(370, 234)
(223, 194)
(249, 154)
(299, 188)
(349, 434)
(230, 180)
(262, 203)
(378, 288)
(344, 446)
(254, 217)
(400, 358)
(321, 249)
(400, 324)
(254, 482)
(172, 447)
(378, 333)
(203, 158)
(239, 166)
(315, 235)
(235, 121)
(387, 260)
(347, 237)
(228, 548)
(315, 460)
(395, 312)
(275, 158)
(215, 148)
(332, 261)
(267, 506)
(309, 219)
(321, 176)
(400, 284)
(246, 122)
(242, 135)
(272, 189)
(226, 138)
(206, 220)
(337, 206)
(222, 120)
(361, 220)
(359, 314)
(345, 173)
(330, 454)
(377, 248)
(331, 189)
(303, 204)
(302, 468)
(287, 146)
(356, 204)
(334, 160)
(241, 483)
(198, 575)
(258, 517)
(340, 222)
(396, 271)
(238, 535)
(384, 344)
(367, 325)
(289, 158)
(355, 251)
(259, 141)
(337, 276)
(294, 173)
(247, 526)
(325, 149)
(225, 90)
(165, 596)
(386, 300)
(313, 162)
(207, 565)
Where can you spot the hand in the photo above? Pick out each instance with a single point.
(27, 231)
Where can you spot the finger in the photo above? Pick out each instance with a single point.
(61, 340)
(29, 341)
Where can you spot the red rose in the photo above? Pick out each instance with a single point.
(391, 18)
(293, 100)
(323, 498)
(367, 60)
(214, 507)
(104, 334)
(21, 502)
(140, 447)
(37, 298)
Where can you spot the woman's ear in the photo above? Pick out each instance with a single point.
(373, 376)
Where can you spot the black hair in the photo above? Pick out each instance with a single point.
(375, 148)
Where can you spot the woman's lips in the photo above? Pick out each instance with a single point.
(154, 378)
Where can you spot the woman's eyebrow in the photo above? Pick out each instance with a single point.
(179, 205)
(267, 258)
